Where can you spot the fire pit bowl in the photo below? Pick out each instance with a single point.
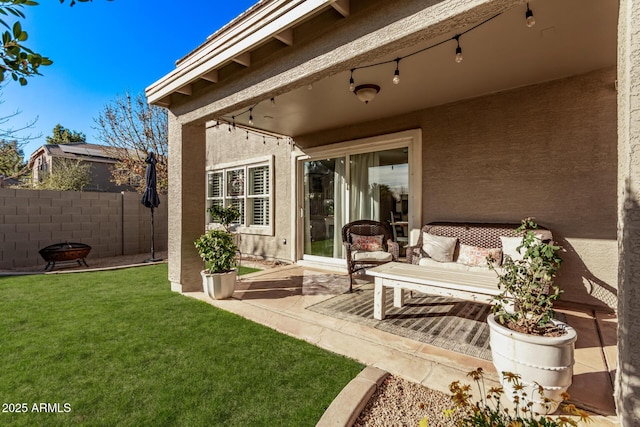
(63, 252)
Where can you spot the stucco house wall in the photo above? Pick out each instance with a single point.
(228, 147)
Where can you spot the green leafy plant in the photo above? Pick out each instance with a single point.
(218, 250)
(528, 289)
(489, 411)
(224, 215)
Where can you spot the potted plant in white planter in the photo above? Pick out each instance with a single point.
(525, 337)
(218, 250)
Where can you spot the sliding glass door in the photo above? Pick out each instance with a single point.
(374, 186)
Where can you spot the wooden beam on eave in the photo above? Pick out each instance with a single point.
(342, 6)
(243, 59)
(184, 90)
(211, 76)
(285, 36)
(164, 102)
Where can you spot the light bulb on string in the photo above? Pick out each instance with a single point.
(352, 85)
(531, 21)
(251, 116)
(458, 50)
(396, 74)
(273, 102)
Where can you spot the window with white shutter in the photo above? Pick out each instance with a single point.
(248, 188)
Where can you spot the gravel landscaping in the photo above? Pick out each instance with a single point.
(399, 402)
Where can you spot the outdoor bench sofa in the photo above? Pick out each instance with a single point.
(449, 259)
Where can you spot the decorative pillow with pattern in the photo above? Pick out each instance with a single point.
(440, 248)
(366, 243)
(476, 256)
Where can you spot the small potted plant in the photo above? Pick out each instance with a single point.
(218, 250)
(525, 337)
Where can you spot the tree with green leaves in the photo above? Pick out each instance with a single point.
(62, 135)
(69, 175)
(16, 59)
(11, 158)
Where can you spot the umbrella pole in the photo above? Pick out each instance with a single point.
(153, 235)
(153, 253)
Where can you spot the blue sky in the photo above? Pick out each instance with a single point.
(100, 50)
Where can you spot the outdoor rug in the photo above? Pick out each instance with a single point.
(449, 323)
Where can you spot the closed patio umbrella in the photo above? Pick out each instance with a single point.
(150, 197)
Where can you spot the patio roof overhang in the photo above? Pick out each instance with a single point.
(280, 49)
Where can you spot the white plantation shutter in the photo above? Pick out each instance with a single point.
(215, 191)
(259, 181)
(259, 194)
(214, 187)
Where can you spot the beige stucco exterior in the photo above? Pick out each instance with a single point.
(560, 149)
(224, 147)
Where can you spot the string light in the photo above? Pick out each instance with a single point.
(530, 21)
(528, 16)
(458, 49)
(396, 74)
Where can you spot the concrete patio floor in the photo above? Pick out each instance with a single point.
(278, 298)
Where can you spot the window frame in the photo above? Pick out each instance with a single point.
(246, 166)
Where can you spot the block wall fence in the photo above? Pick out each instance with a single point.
(111, 223)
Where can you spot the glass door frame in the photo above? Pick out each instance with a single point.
(410, 139)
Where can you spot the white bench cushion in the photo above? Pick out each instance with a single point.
(455, 266)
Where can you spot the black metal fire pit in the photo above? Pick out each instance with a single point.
(63, 252)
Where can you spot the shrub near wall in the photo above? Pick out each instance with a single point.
(111, 223)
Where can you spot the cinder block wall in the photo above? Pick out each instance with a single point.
(111, 223)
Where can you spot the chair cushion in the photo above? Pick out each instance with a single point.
(375, 256)
(366, 243)
(440, 248)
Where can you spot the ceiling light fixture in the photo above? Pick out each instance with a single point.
(367, 92)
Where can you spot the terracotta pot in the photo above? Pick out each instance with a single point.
(547, 361)
(219, 285)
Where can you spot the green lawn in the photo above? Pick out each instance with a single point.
(118, 348)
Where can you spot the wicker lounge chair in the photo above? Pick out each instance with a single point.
(367, 244)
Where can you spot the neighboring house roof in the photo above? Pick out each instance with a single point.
(81, 151)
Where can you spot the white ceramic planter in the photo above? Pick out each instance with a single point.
(219, 285)
(547, 361)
